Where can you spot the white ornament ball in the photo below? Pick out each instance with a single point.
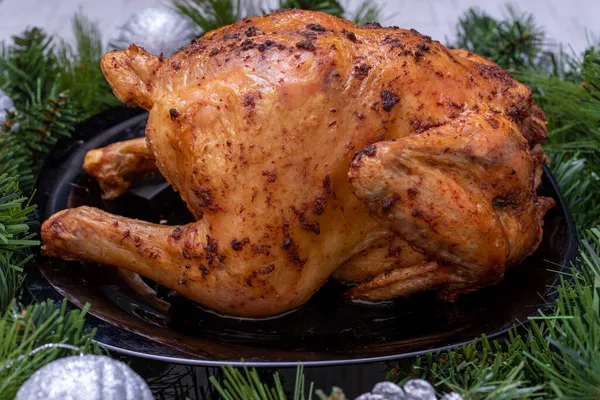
(416, 389)
(6, 104)
(389, 390)
(156, 29)
(419, 389)
(85, 377)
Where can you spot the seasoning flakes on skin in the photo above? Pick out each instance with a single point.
(361, 70)
(389, 99)
(268, 113)
(238, 245)
(306, 45)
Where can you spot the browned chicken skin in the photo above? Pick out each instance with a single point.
(118, 166)
(307, 146)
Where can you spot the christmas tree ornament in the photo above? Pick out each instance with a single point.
(85, 377)
(156, 29)
(419, 389)
(451, 396)
(6, 104)
(416, 389)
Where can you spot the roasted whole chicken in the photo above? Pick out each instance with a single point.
(307, 147)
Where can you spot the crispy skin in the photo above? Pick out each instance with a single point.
(256, 124)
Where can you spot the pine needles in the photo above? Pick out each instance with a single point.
(212, 14)
(513, 42)
(53, 88)
(24, 330)
(79, 69)
(247, 385)
(15, 224)
(368, 11)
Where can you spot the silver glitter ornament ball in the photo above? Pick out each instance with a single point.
(416, 389)
(157, 30)
(6, 104)
(85, 377)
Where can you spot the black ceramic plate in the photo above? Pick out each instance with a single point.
(327, 330)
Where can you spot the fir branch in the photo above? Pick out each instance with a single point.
(79, 71)
(40, 126)
(15, 160)
(513, 42)
(28, 68)
(23, 330)
(569, 342)
(248, 385)
(368, 11)
(213, 14)
(15, 225)
(579, 185)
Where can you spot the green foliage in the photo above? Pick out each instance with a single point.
(28, 67)
(573, 112)
(23, 331)
(368, 11)
(513, 42)
(578, 180)
(212, 14)
(15, 160)
(568, 345)
(40, 125)
(15, 213)
(34, 69)
(247, 385)
(53, 88)
(80, 73)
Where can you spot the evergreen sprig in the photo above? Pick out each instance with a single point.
(53, 88)
(23, 330)
(367, 12)
(79, 70)
(208, 15)
(212, 14)
(246, 384)
(515, 41)
(28, 67)
(15, 225)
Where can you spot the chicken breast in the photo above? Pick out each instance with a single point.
(306, 146)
